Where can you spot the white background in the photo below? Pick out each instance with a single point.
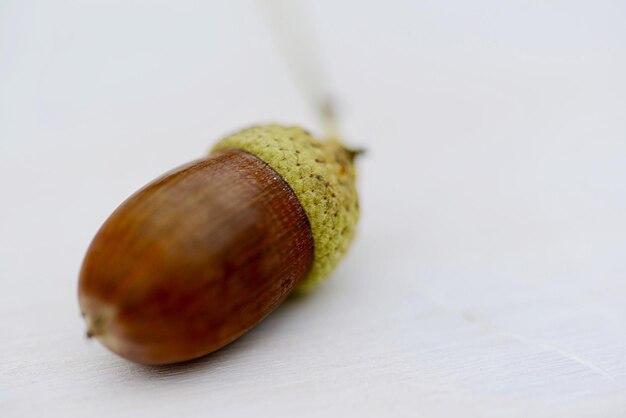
(489, 274)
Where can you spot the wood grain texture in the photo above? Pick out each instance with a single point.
(195, 259)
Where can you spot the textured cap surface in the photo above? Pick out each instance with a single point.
(321, 175)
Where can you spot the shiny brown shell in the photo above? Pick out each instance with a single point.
(194, 260)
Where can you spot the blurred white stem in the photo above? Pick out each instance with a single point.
(294, 36)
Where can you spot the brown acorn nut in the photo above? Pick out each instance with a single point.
(194, 260)
(199, 256)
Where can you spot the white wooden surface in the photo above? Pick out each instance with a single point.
(488, 278)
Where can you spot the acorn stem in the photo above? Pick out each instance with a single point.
(328, 116)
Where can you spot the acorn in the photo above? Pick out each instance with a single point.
(202, 254)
